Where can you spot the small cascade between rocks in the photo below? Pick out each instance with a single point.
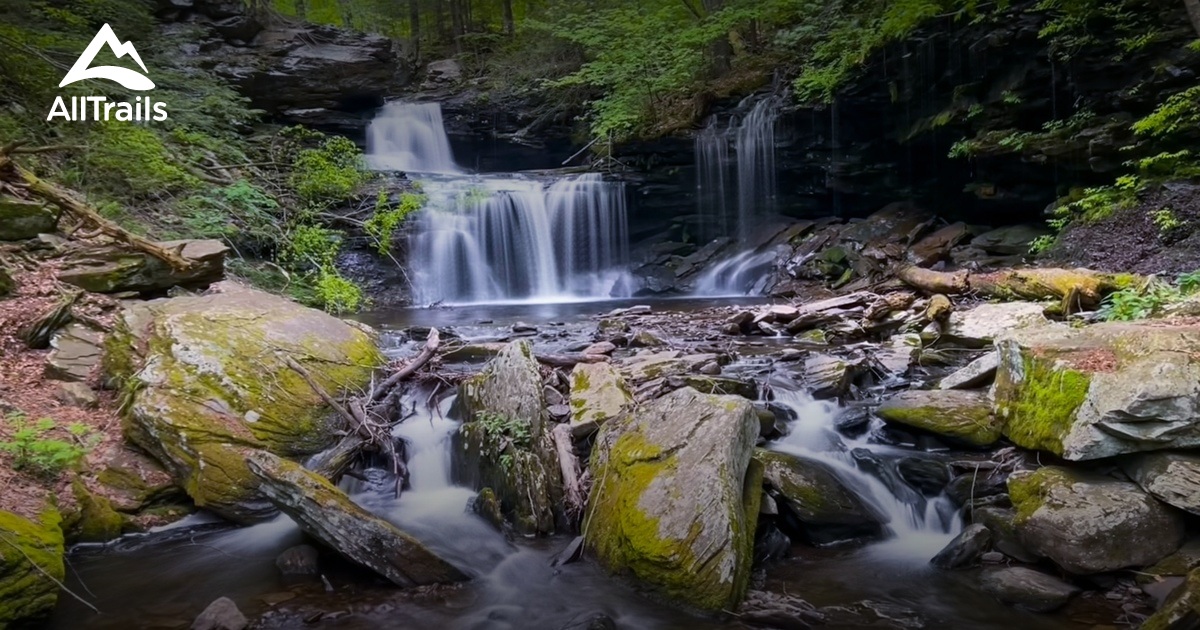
(917, 527)
(504, 237)
(735, 190)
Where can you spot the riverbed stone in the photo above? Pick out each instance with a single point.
(646, 366)
(222, 614)
(1088, 524)
(1026, 588)
(1100, 391)
(675, 499)
(825, 510)
(979, 326)
(829, 376)
(299, 560)
(30, 563)
(598, 394)
(21, 219)
(1181, 610)
(965, 549)
(505, 442)
(964, 416)
(207, 378)
(977, 373)
(1173, 478)
(327, 514)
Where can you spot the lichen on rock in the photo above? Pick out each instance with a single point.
(31, 560)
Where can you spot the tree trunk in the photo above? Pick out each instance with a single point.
(720, 50)
(414, 22)
(1193, 10)
(509, 25)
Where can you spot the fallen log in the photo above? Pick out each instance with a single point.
(1077, 288)
(569, 463)
(427, 351)
(87, 215)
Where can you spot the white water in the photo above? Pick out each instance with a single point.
(410, 137)
(735, 190)
(916, 531)
(501, 238)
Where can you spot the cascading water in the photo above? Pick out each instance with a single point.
(917, 527)
(735, 193)
(410, 137)
(502, 238)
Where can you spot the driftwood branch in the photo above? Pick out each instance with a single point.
(423, 357)
(569, 463)
(1080, 287)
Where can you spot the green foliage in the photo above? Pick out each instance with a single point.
(337, 294)
(1150, 299)
(34, 450)
(505, 432)
(329, 173)
(1042, 243)
(1165, 220)
(1180, 112)
(241, 213)
(383, 223)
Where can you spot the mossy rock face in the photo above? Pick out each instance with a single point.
(206, 378)
(116, 268)
(1100, 391)
(598, 394)
(962, 416)
(522, 471)
(28, 549)
(21, 219)
(675, 497)
(95, 520)
(820, 508)
(1091, 524)
(134, 482)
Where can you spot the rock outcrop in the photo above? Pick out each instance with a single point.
(113, 268)
(1173, 478)
(327, 514)
(675, 498)
(206, 379)
(1091, 524)
(1099, 391)
(598, 394)
(21, 219)
(505, 442)
(1028, 589)
(31, 560)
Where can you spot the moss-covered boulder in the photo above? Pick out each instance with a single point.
(31, 559)
(207, 378)
(21, 219)
(815, 505)
(598, 393)
(504, 443)
(962, 416)
(94, 520)
(114, 268)
(1102, 390)
(675, 498)
(1091, 524)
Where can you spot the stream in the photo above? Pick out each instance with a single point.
(492, 250)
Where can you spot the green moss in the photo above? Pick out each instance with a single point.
(1028, 491)
(28, 548)
(971, 424)
(96, 520)
(1040, 405)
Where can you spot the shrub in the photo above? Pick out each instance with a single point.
(33, 450)
(330, 173)
(382, 225)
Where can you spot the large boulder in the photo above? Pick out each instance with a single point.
(114, 268)
(964, 416)
(598, 394)
(31, 566)
(21, 219)
(1091, 524)
(327, 514)
(979, 326)
(815, 504)
(1173, 478)
(1099, 391)
(206, 378)
(505, 443)
(675, 499)
(1181, 611)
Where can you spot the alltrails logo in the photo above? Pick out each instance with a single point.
(142, 109)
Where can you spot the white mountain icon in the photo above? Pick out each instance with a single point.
(131, 79)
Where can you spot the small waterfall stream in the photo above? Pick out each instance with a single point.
(505, 237)
(735, 190)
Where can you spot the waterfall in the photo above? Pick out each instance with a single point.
(501, 238)
(410, 137)
(734, 194)
(749, 176)
(917, 527)
(519, 240)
